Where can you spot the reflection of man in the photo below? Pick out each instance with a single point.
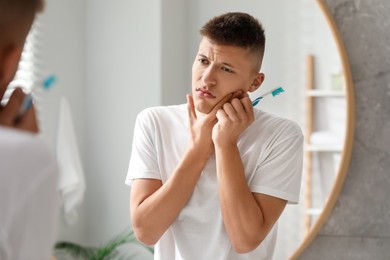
(210, 181)
(28, 171)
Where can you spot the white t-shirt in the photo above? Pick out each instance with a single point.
(271, 151)
(28, 197)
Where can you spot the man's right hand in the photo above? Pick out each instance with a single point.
(201, 125)
(9, 114)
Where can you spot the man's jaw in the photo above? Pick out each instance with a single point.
(203, 105)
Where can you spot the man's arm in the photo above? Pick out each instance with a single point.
(247, 217)
(154, 207)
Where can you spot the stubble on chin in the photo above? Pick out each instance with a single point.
(203, 108)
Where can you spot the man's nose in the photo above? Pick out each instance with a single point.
(209, 76)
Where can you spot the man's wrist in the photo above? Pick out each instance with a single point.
(225, 146)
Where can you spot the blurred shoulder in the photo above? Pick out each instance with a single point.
(25, 158)
(16, 143)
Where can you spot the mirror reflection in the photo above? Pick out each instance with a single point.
(128, 56)
(301, 55)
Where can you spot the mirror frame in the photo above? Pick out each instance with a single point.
(349, 134)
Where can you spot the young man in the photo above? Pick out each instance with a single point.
(28, 171)
(209, 180)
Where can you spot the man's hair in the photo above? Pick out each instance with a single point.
(15, 16)
(9, 8)
(237, 29)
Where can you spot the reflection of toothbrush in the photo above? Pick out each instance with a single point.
(28, 101)
(274, 92)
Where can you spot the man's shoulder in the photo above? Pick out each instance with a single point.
(25, 162)
(276, 124)
(163, 112)
(11, 139)
(164, 109)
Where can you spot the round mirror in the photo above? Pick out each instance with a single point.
(320, 145)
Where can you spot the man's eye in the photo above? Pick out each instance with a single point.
(203, 61)
(227, 70)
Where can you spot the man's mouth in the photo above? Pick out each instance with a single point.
(204, 93)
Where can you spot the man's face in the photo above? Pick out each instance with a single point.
(219, 70)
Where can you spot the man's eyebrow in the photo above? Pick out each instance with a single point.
(228, 65)
(202, 55)
(223, 63)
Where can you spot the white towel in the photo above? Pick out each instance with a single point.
(71, 177)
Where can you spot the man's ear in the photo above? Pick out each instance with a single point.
(9, 61)
(257, 82)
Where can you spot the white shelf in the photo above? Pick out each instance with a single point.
(314, 211)
(324, 148)
(325, 93)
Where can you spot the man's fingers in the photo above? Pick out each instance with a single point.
(238, 106)
(10, 116)
(247, 103)
(220, 104)
(244, 95)
(10, 111)
(191, 107)
(228, 98)
(221, 115)
(237, 94)
(28, 121)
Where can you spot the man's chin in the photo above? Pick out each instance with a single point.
(203, 109)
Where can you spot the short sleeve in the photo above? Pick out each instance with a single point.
(143, 161)
(280, 173)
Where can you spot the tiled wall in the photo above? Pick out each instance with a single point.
(359, 226)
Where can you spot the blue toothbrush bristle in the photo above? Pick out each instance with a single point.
(274, 93)
(277, 91)
(49, 82)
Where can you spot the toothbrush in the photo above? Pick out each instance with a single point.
(274, 92)
(28, 100)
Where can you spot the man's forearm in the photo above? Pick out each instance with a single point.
(241, 214)
(152, 216)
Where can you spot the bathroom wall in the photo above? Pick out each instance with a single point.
(62, 53)
(122, 77)
(81, 43)
(358, 227)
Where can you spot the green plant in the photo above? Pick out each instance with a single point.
(107, 251)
